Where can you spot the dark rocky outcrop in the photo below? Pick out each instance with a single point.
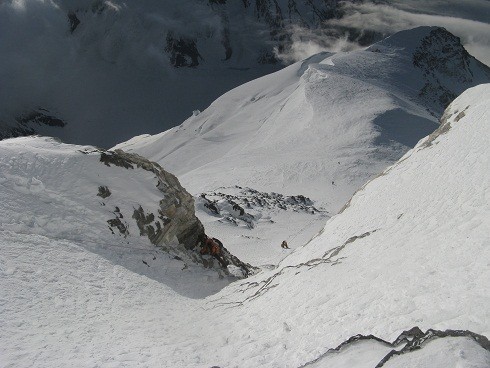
(40, 117)
(446, 67)
(73, 21)
(7, 131)
(183, 51)
(414, 339)
(407, 342)
(25, 124)
(174, 226)
(104, 192)
(176, 218)
(232, 208)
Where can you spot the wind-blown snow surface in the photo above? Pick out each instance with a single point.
(411, 249)
(320, 128)
(288, 131)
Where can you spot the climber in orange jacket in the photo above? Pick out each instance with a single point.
(213, 246)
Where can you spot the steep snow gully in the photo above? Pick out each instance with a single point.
(399, 278)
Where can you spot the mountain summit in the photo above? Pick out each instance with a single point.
(447, 68)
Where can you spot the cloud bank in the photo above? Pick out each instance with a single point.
(467, 20)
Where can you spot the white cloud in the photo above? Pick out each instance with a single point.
(389, 19)
(465, 19)
(306, 42)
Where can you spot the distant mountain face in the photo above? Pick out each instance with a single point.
(30, 123)
(256, 26)
(446, 67)
(115, 69)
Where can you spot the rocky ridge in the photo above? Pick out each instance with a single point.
(174, 222)
(247, 207)
(413, 340)
(446, 67)
(444, 63)
(29, 123)
(118, 200)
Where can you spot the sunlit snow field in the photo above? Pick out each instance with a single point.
(387, 263)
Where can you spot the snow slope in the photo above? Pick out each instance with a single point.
(410, 249)
(320, 128)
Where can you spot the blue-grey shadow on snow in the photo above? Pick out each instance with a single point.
(400, 126)
(187, 279)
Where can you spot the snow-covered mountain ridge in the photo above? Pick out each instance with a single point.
(410, 249)
(303, 113)
(320, 128)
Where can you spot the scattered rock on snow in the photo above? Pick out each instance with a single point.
(104, 192)
(245, 206)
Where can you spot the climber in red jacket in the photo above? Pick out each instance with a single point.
(213, 247)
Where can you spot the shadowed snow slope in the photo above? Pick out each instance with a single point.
(320, 128)
(410, 249)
